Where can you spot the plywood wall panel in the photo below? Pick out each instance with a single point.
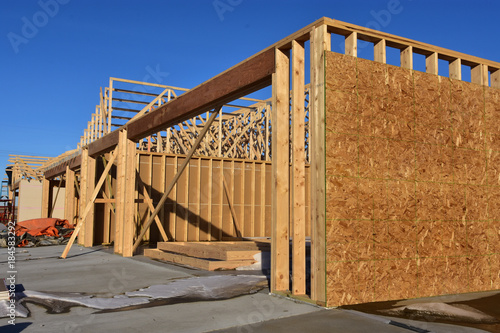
(413, 183)
(197, 208)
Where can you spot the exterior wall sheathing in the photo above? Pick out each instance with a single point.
(412, 181)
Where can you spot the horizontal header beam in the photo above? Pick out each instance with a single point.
(241, 80)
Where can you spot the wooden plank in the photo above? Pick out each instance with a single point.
(280, 164)
(455, 69)
(176, 178)
(83, 190)
(45, 197)
(204, 264)
(162, 185)
(298, 171)
(230, 200)
(479, 75)
(243, 222)
(320, 41)
(380, 51)
(120, 193)
(130, 194)
(431, 63)
(351, 44)
(108, 207)
(209, 250)
(69, 208)
(495, 79)
(105, 200)
(89, 206)
(89, 222)
(407, 57)
(252, 200)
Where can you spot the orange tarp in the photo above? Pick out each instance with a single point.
(44, 226)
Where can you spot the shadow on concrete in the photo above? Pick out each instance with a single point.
(14, 328)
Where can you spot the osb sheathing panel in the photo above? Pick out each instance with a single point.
(413, 183)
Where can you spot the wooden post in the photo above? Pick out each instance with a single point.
(320, 42)
(87, 186)
(281, 169)
(407, 57)
(431, 63)
(380, 53)
(456, 69)
(351, 44)
(69, 208)
(45, 197)
(479, 75)
(298, 170)
(125, 199)
(495, 79)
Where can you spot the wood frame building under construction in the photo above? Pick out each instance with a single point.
(391, 172)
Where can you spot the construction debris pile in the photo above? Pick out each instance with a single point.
(39, 232)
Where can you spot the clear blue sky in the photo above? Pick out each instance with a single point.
(50, 75)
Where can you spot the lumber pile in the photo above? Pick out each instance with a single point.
(209, 256)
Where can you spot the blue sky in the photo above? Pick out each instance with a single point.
(51, 72)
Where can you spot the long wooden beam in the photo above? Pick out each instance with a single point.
(249, 76)
(60, 168)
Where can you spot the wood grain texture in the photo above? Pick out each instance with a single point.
(412, 183)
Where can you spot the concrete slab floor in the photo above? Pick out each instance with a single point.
(98, 272)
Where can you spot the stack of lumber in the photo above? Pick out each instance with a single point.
(209, 255)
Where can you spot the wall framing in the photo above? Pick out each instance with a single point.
(329, 151)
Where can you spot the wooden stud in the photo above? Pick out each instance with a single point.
(129, 206)
(407, 57)
(69, 208)
(281, 165)
(106, 238)
(243, 221)
(320, 42)
(252, 200)
(45, 197)
(89, 222)
(456, 69)
(298, 171)
(162, 187)
(495, 78)
(263, 193)
(380, 51)
(110, 103)
(209, 198)
(351, 44)
(230, 201)
(83, 189)
(479, 75)
(431, 63)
